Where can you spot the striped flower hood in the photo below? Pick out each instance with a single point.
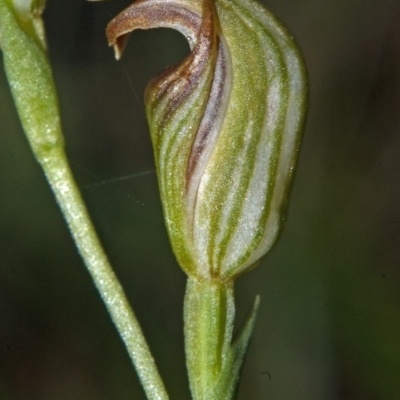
(225, 125)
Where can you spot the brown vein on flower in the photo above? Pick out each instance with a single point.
(186, 76)
(148, 14)
(209, 56)
(211, 113)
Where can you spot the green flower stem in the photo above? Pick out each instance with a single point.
(213, 359)
(70, 201)
(29, 75)
(208, 314)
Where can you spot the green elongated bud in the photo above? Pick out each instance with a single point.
(29, 16)
(29, 74)
(225, 125)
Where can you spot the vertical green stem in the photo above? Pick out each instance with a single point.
(209, 312)
(213, 359)
(30, 77)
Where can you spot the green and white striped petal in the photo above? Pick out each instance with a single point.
(225, 125)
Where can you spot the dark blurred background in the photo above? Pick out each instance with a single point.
(329, 323)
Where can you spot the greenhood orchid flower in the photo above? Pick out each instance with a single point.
(225, 125)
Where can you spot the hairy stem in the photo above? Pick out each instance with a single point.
(214, 358)
(72, 206)
(30, 78)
